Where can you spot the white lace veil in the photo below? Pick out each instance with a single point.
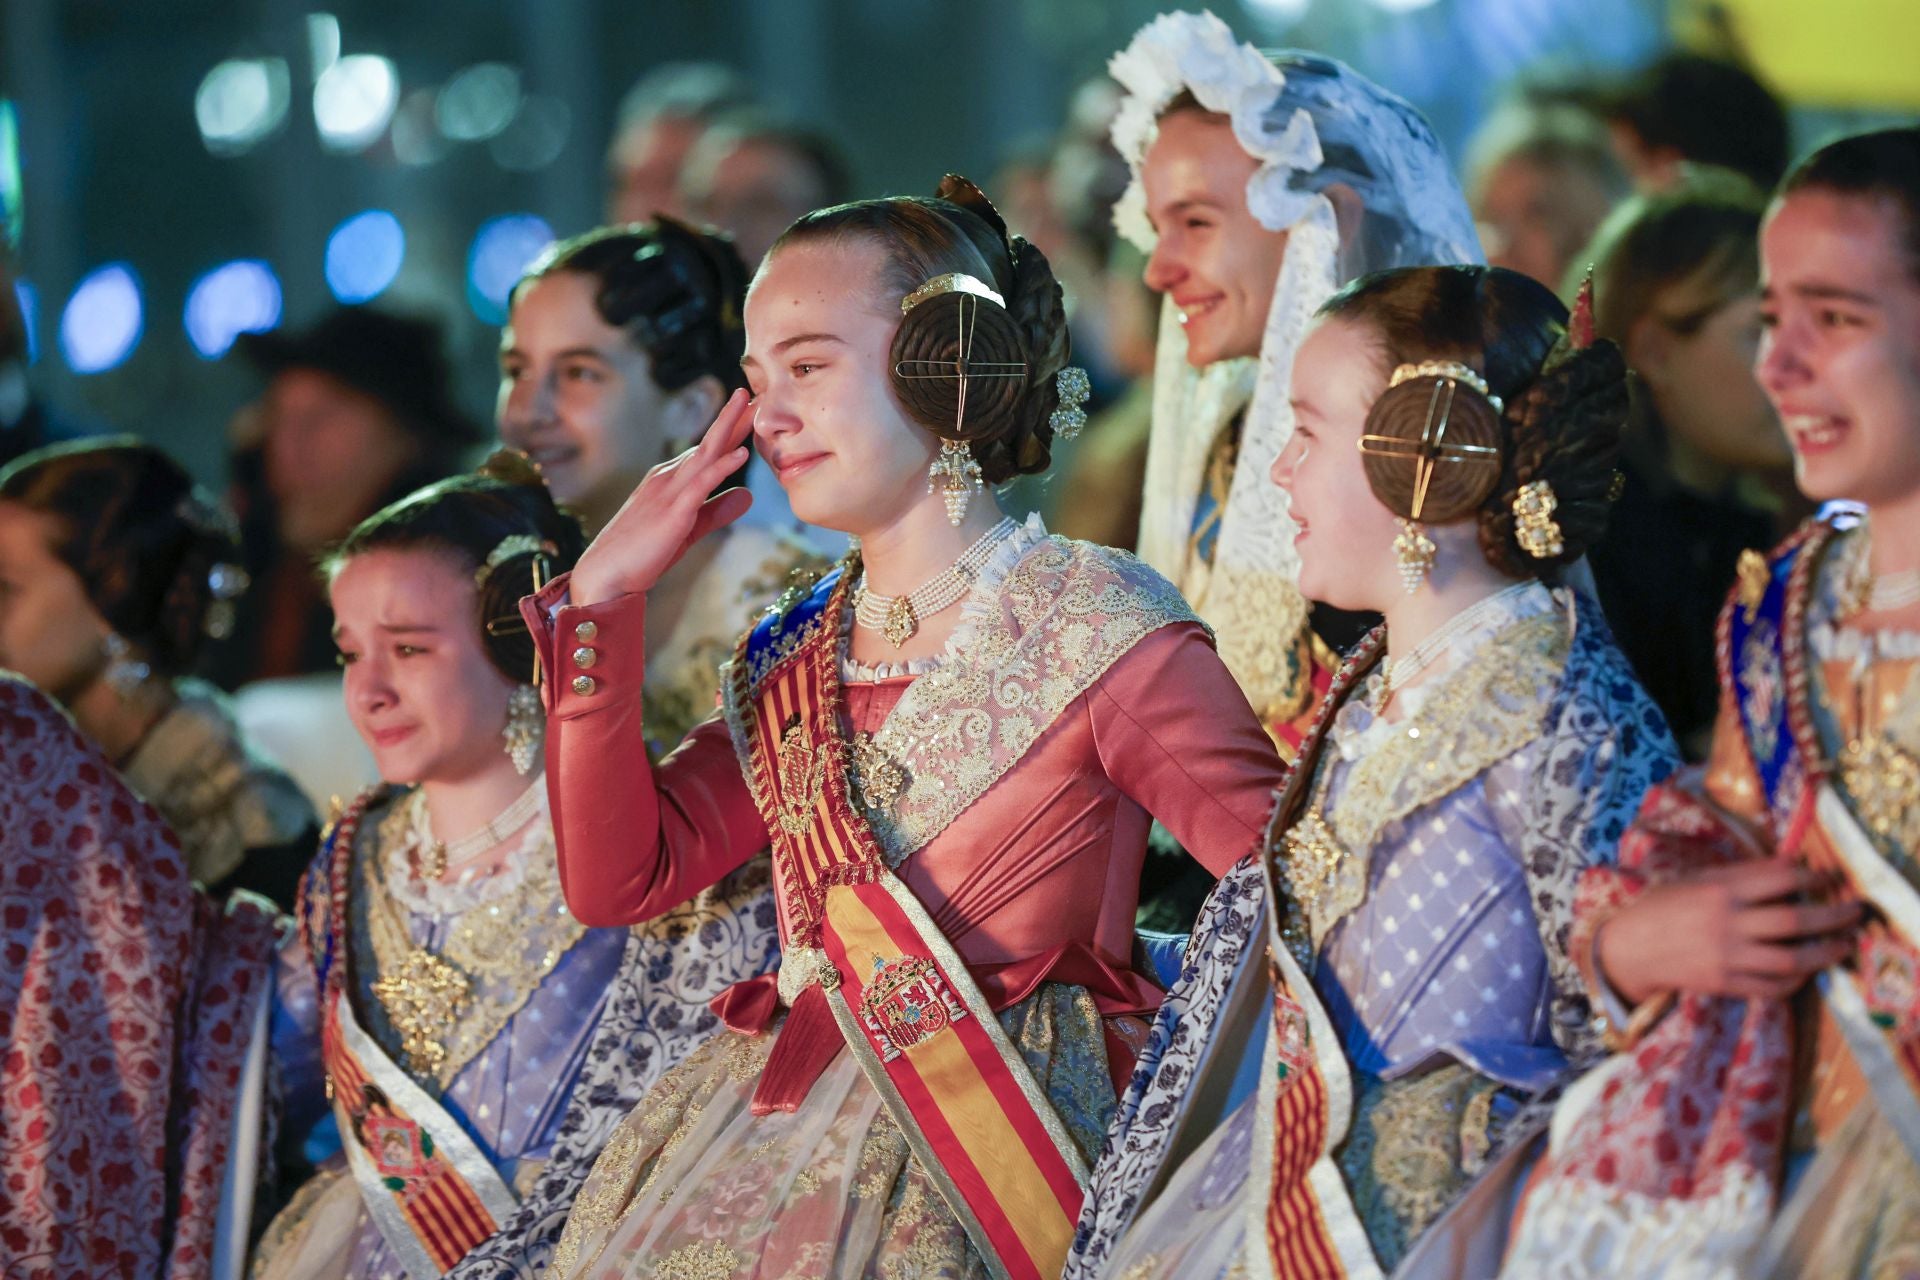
(1311, 122)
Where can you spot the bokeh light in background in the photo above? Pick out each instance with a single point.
(241, 102)
(1277, 15)
(502, 248)
(12, 207)
(479, 103)
(103, 319)
(364, 254)
(29, 301)
(232, 299)
(416, 136)
(353, 99)
(1402, 6)
(536, 137)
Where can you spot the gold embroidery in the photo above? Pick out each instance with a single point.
(701, 1260)
(1754, 576)
(806, 1182)
(1145, 1269)
(876, 778)
(803, 775)
(1064, 614)
(1485, 711)
(602, 1196)
(448, 1005)
(1884, 781)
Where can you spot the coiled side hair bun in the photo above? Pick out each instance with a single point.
(957, 231)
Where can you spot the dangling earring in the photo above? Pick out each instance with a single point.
(126, 673)
(957, 477)
(1414, 550)
(525, 722)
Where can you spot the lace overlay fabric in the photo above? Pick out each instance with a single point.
(500, 936)
(692, 1179)
(1045, 620)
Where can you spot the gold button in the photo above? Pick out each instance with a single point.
(585, 657)
(583, 685)
(585, 631)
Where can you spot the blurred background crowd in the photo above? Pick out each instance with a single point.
(278, 242)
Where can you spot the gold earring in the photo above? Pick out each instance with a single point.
(525, 723)
(1415, 551)
(956, 476)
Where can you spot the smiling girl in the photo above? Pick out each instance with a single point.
(621, 346)
(1452, 455)
(953, 742)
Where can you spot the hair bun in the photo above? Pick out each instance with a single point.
(1566, 429)
(1459, 483)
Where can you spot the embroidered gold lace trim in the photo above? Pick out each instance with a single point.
(448, 1005)
(1065, 613)
(1488, 709)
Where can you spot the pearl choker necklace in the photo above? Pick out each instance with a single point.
(1396, 672)
(898, 617)
(1861, 591)
(435, 855)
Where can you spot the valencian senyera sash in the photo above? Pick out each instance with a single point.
(1306, 1221)
(1875, 999)
(431, 1191)
(862, 953)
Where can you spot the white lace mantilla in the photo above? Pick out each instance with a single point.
(1312, 123)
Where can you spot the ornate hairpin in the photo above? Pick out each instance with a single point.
(1074, 389)
(1432, 448)
(952, 282)
(227, 583)
(514, 544)
(1534, 527)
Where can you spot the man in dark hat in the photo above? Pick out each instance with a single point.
(358, 411)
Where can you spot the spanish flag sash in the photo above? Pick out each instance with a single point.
(866, 953)
(426, 1185)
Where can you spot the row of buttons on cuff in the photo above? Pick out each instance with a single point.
(584, 656)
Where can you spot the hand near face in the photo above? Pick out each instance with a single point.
(669, 511)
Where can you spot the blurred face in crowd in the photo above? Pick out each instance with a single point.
(820, 326)
(752, 188)
(644, 168)
(331, 454)
(1345, 534)
(419, 688)
(1213, 259)
(1694, 351)
(577, 395)
(1534, 216)
(1840, 358)
(49, 630)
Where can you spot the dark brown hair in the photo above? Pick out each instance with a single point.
(1561, 424)
(675, 290)
(468, 517)
(143, 540)
(1884, 163)
(958, 231)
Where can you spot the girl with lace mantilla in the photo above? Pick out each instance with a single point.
(438, 993)
(1453, 453)
(953, 742)
(1260, 184)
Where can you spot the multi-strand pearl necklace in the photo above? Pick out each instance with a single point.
(1396, 672)
(898, 617)
(435, 855)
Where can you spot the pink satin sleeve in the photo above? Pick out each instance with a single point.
(634, 839)
(1178, 737)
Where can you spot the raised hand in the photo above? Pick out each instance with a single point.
(1743, 930)
(669, 511)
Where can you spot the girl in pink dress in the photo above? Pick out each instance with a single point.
(954, 744)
